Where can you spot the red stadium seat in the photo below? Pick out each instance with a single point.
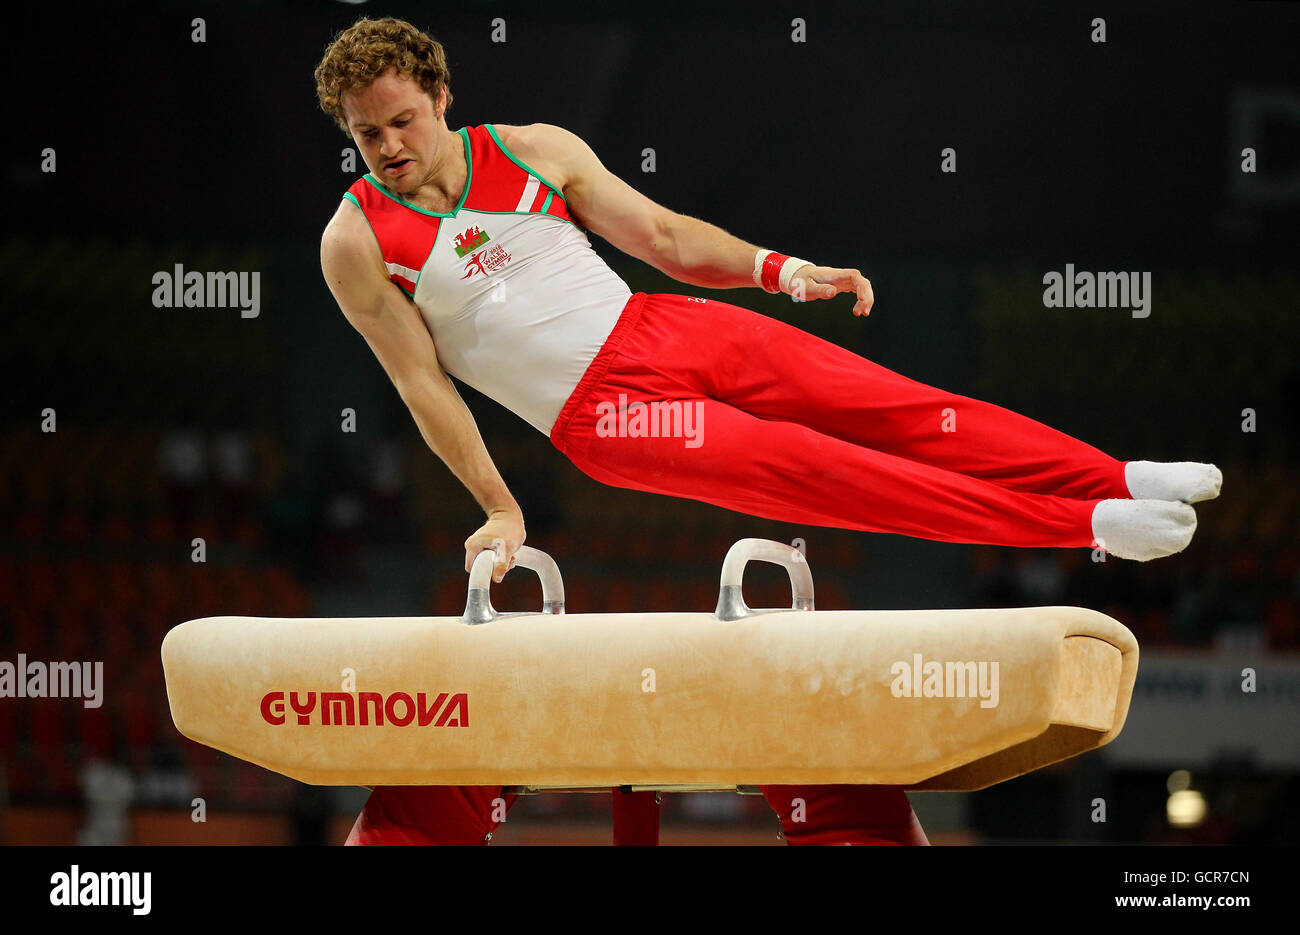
(30, 527)
(47, 723)
(42, 581)
(81, 584)
(8, 581)
(116, 527)
(74, 529)
(8, 727)
(161, 529)
(95, 733)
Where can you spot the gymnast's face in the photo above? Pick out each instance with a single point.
(396, 128)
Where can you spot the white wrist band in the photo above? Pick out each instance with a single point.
(759, 257)
(788, 269)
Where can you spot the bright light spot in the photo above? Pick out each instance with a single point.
(1185, 809)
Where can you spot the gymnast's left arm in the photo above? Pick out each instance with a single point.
(687, 249)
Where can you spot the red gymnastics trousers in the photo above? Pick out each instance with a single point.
(789, 427)
(786, 426)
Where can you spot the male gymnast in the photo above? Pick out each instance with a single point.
(465, 253)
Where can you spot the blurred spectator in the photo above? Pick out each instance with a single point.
(183, 465)
(107, 789)
(234, 468)
(386, 483)
(1039, 578)
(341, 540)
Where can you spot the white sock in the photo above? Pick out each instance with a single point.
(1143, 529)
(1189, 481)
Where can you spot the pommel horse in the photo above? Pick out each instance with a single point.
(647, 703)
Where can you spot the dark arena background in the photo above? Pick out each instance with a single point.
(955, 153)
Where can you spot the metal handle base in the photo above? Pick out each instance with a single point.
(478, 604)
(731, 602)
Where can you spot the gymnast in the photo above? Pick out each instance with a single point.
(465, 253)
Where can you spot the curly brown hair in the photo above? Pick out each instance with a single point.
(368, 48)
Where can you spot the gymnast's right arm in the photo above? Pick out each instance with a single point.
(392, 326)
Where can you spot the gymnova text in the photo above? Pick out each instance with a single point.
(52, 680)
(339, 709)
(674, 418)
(934, 679)
(179, 289)
(1098, 290)
(103, 889)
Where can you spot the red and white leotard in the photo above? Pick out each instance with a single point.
(517, 301)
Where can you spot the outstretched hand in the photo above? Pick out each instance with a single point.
(824, 282)
(503, 533)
